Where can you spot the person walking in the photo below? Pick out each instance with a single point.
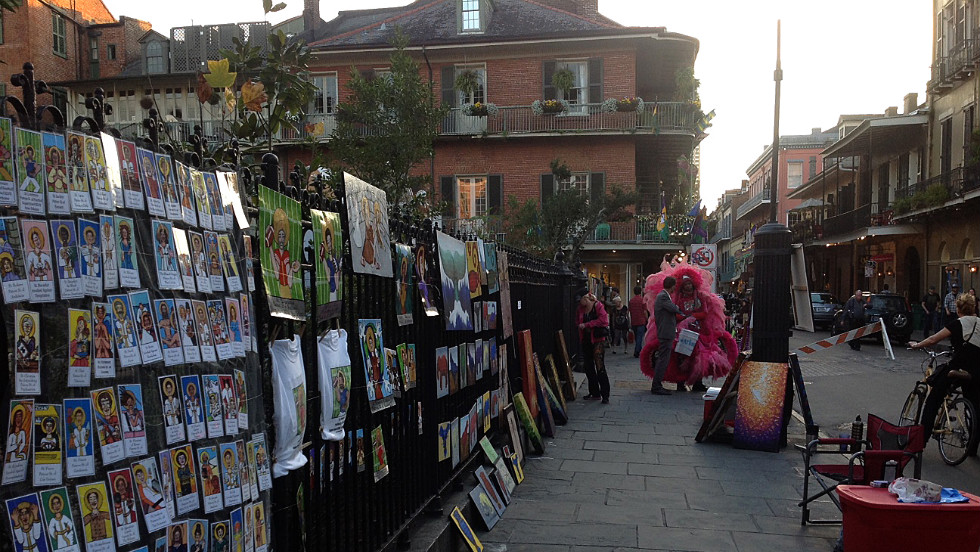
(593, 324)
(854, 316)
(930, 304)
(638, 319)
(620, 325)
(665, 314)
(949, 304)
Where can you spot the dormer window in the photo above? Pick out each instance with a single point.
(472, 15)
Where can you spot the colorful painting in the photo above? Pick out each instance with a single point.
(455, 286)
(759, 406)
(30, 171)
(168, 185)
(425, 286)
(328, 242)
(406, 360)
(490, 265)
(473, 268)
(19, 440)
(79, 444)
(379, 388)
(8, 185)
(280, 254)
(47, 444)
(442, 372)
(12, 267)
(67, 259)
(404, 284)
(59, 523)
(133, 416)
(56, 173)
(27, 352)
(503, 278)
(529, 376)
(469, 536)
(367, 214)
(379, 454)
(485, 506)
(529, 423)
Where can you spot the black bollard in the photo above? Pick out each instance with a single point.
(771, 316)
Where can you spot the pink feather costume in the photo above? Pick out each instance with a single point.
(708, 358)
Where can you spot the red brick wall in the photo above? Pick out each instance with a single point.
(89, 11)
(28, 36)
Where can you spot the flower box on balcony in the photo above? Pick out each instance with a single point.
(623, 105)
(549, 107)
(480, 109)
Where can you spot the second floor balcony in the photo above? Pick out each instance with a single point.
(758, 200)
(959, 63)
(643, 229)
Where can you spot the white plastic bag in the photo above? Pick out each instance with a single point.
(915, 490)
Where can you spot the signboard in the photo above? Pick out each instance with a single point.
(705, 255)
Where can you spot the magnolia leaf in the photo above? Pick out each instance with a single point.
(220, 77)
(269, 8)
(230, 100)
(253, 95)
(204, 89)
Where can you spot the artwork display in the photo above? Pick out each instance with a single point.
(132, 414)
(30, 171)
(335, 382)
(55, 173)
(379, 387)
(27, 353)
(426, 287)
(759, 405)
(13, 273)
(367, 214)
(58, 521)
(328, 242)
(149, 489)
(97, 527)
(280, 253)
(47, 444)
(529, 377)
(484, 505)
(379, 455)
(8, 184)
(503, 278)
(442, 372)
(455, 284)
(108, 425)
(404, 284)
(528, 421)
(80, 443)
(469, 536)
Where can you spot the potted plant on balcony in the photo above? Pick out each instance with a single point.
(480, 109)
(549, 107)
(623, 105)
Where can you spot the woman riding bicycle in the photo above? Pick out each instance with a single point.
(964, 334)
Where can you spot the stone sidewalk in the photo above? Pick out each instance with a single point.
(629, 476)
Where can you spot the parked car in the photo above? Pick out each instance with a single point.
(824, 306)
(891, 309)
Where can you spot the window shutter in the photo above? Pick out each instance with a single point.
(448, 187)
(495, 194)
(595, 80)
(547, 188)
(367, 74)
(548, 71)
(597, 188)
(448, 92)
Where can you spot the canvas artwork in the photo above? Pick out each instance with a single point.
(13, 273)
(454, 435)
(443, 380)
(528, 374)
(27, 352)
(379, 388)
(469, 536)
(97, 174)
(505, 482)
(529, 423)
(328, 243)
(367, 214)
(280, 253)
(58, 521)
(473, 269)
(550, 401)
(379, 455)
(759, 405)
(30, 171)
(8, 184)
(484, 505)
(55, 173)
(483, 477)
(455, 286)
(79, 193)
(79, 438)
(47, 444)
(503, 279)
(404, 284)
(38, 261)
(132, 414)
(426, 288)
(490, 265)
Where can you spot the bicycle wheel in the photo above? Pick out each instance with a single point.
(957, 431)
(913, 407)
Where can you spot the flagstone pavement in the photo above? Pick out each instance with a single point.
(629, 476)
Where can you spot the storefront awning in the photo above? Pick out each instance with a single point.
(870, 232)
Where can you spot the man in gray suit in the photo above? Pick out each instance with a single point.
(665, 314)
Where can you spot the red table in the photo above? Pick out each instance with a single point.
(874, 519)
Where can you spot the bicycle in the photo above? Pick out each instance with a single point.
(955, 426)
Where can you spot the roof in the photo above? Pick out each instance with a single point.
(151, 34)
(794, 141)
(92, 11)
(882, 135)
(435, 21)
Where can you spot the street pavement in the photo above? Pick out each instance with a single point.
(629, 476)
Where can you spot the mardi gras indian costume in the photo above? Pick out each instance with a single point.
(703, 312)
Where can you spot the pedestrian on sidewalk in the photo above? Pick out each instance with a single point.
(949, 304)
(854, 316)
(638, 319)
(621, 324)
(933, 318)
(593, 328)
(665, 314)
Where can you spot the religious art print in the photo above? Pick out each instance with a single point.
(199, 262)
(26, 524)
(229, 265)
(379, 455)
(230, 474)
(124, 330)
(79, 438)
(124, 506)
(129, 171)
(250, 264)
(205, 339)
(97, 174)
(89, 258)
(185, 479)
(490, 254)
(167, 482)
(129, 274)
(379, 389)
(253, 472)
(485, 506)
(184, 264)
(229, 403)
(280, 253)
(133, 414)
(404, 283)
(151, 183)
(78, 188)
(30, 171)
(113, 170)
(473, 269)
(193, 407)
(110, 254)
(234, 326)
(202, 207)
(260, 533)
(149, 489)
(66, 253)
(197, 535)
(243, 470)
(442, 372)
(177, 536)
(58, 521)
(38, 261)
(455, 286)
(55, 173)
(96, 520)
(241, 394)
(173, 410)
(188, 330)
(108, 425)
(218, 219)
(168, 331)
(98, 329)
(8, 183)
(13, 273)
(220, 537)
(503, 278)
(367, 213)
(146, 330)
(207, 463)
(328, 242)
(425, 286)
(262, 462)
(168, 186)
(165, 255)
(394, 375)
(231, 198)
(469, 536)
(219, 329)
(27, 353)
(406, 360)
(47, 444)
(248, 336)
(213, 415)
(237, 524)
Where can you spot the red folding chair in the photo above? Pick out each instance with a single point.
(885, 442)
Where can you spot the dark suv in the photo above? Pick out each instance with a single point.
(891, 309)
(824, 306)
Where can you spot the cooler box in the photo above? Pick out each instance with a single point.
(875, 520)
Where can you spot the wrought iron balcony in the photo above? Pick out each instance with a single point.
(959, 63)
(847, 222)
(759, 199)
(643, 230)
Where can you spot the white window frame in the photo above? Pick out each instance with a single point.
(579, 182)
(326, 88)
(470, 16)
(158, 55)
(579, 93)
(469, 203)
(790, 177)
(59, 35)
(476, 96)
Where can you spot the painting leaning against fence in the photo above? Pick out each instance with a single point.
(279, 256)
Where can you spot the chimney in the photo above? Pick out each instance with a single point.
(311, 14)
(585, 8)
(815, 130)
(891, 111)
(911, 102)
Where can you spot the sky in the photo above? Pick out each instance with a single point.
(838, 57)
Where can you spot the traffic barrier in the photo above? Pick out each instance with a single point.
(851, 335)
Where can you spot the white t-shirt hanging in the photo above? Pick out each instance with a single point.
(289, 404)
(334, 363)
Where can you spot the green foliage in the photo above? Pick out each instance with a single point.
(563, 80)
(387, 126)
(902, 205)
(560, 169)
(269, 8)
(933, 196)
(564, 222)
(686, 86)
(467, 81)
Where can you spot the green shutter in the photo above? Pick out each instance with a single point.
(547, 188)
(548, 91)
(448, 188)
(597, 187)
(495, 194)
(595, 80)
(448, 92)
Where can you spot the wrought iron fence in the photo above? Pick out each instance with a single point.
(643, 230)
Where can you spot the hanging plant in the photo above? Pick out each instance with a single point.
(563, 80)
(467, 82)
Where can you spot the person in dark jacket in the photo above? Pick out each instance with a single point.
(854, 316)
(665, 314)
(593, 325)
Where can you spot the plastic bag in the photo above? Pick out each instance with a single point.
(915, 490)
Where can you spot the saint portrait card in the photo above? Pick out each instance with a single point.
(204, 337)
(96, 519)
(79, 193)
(110, 258)
(107, 425)
(168, 331)
(26, 525)
(229, 265)
(168, 185)
(167, 482)
(113, 170)
(129, 274)
(229, 403)
(124, 330)
(193, 407)
(97, 175)
(13, 271)
(59, 523)
(215, 273)
(124, 506)
(173, 410)
(262, 462)
(165, 255)
(90, 257)
(184, 264)
(8, 184)
(133, 414)
(129, 171)
(47, 444)
(213, 415)
(38, 261)
(79, 438)
(146, 330)
(185, 479)
(67, 259)
(232, 307)
(27, 352)
(241, 393)
(30, 171)
(207, 463)
(230, 474)
(202, 206)
(188, 330)
(219, 329)
(186, 193)
(151, 182)
(199, 262)
(149, 488)
(55, 173)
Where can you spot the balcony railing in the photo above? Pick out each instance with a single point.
(847, 222)
(757, 200)
(643, 230)
(668, 117)
(959, 63)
